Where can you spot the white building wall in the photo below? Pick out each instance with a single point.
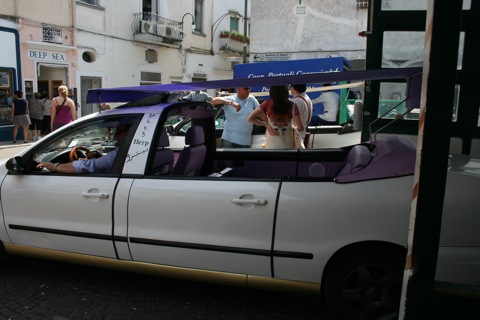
(106, 32)
(307, 29)
(56, 12)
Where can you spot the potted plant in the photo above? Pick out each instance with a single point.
(236, 36)
(224, 34)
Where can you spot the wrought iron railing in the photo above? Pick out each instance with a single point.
(149, 23)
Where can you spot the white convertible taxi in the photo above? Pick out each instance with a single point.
(331, 221)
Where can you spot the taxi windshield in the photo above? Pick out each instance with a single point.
(96, 135)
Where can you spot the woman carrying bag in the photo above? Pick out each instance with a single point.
(279, 115)
(62, 110)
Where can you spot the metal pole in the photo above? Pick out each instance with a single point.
(439, 75)
(245, 33)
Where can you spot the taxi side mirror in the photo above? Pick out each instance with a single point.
(15, 165)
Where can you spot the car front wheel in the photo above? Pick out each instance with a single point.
(365, 282)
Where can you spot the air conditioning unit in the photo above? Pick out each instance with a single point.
(145, 26)
(148, 27)
(162, 29)
(200, 74)
(172, 32)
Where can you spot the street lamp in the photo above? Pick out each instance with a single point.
(232, 14)
(193, 20)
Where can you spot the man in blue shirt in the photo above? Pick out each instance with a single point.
(237, 131)
(102, 164)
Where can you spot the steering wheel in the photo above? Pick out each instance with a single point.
(74, 154)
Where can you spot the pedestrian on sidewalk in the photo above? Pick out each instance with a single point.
(36, 116)
(63, 110)
(20, 115)
(47, 104)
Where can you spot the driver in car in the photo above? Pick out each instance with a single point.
(90, 165)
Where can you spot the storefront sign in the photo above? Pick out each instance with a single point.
(46, 55)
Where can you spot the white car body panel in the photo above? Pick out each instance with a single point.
(458, 265)
(191, 213)
(120, 227)
(324, 213)
(141, 144)
(28, 202)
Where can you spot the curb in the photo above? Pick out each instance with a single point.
(457, 290)
(12, 145)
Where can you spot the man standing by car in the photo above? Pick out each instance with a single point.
(302, 100)
(237, 131)
(331, 104)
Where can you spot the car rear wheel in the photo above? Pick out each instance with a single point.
(365, 282)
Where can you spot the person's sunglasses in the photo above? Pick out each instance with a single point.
(247, 88)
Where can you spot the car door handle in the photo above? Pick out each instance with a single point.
(249, 201)
(101, 195)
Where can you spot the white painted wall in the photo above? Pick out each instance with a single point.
(308, 28)
(107, 32)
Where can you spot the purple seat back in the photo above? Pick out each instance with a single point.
(392, 156)
(163, 161)
(190, 160)
(358, 158)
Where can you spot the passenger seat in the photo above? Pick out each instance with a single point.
(190, 161)
(163, 161)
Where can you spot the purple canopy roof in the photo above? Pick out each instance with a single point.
(127, 94)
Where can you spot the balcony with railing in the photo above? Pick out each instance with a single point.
(154, 29)
(233, 42)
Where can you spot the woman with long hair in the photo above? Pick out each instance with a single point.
(62, 110)
(278, 115)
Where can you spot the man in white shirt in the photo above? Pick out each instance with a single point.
(302, 100)
(331, 104)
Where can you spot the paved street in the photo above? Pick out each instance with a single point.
(38, 289)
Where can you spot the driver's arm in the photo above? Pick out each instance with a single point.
(82, 166)
(57, 167)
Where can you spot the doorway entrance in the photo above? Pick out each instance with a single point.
(87, 83)
(50, 77)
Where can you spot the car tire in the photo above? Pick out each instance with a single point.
(365, 282)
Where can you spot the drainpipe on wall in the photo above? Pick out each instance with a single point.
(245, 25)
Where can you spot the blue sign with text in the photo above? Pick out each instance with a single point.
(289, 68)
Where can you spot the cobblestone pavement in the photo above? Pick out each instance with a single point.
(39, 289)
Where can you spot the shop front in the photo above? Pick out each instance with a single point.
(37, 58)
(10, 75)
